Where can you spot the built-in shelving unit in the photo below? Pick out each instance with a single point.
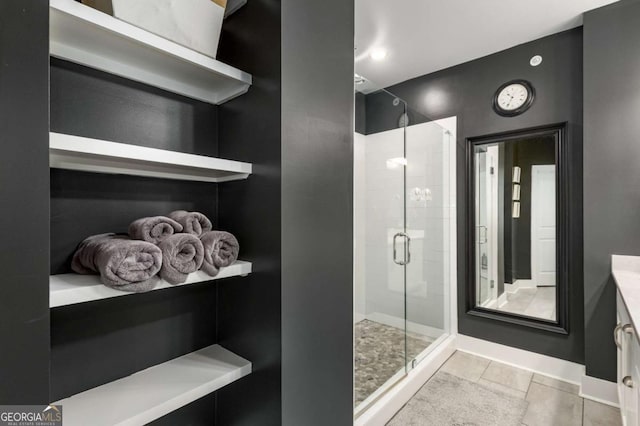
(94, 155)
(69, 289)
(89, 37)
(156, 391)
(85, 36)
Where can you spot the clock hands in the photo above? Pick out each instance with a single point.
(513, 98)
(510, 100)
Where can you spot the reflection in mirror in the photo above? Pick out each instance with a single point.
(515, 227)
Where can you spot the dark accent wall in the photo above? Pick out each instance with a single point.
(504, 199)
(24, 205)
(508, 229)
(250, 130)
(98, 342)
(466, 91)
(131, 333)
(310, 132)
(611, 166)
(317, 212)
(361, 113)
(380, 113)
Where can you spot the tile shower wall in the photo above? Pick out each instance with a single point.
(429, 204)
(379, 211)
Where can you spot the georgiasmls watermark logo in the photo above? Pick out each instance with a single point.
(30, 415)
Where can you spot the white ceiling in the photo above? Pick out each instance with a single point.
(423, 36)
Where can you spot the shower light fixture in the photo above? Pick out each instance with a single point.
(378, 54)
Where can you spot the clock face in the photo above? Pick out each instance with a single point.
(513, 98)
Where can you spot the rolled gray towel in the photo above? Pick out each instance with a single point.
(153, 229)
(193, 222)
(123, 264)
(182, 254)
(220, 250)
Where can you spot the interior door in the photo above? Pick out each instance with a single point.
(543, 225)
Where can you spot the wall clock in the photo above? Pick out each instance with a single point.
(513, 98)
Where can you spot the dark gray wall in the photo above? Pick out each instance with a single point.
(361, 113)
(98, 342)
(509, 253)
(24, 202)
(243, 314)
(317, 212)
(612, 174)
(466, 91)
(148, 328)
(89, 103)
(250, 129)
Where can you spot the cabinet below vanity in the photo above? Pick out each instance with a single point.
(626, 272)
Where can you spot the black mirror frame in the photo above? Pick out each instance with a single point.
(561, 325)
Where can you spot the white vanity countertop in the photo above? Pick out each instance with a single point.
(626, 273)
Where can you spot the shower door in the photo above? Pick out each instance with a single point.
(403, 206)
(429, 209)
(382, 251)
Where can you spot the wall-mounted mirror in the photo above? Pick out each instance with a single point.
(517, 227)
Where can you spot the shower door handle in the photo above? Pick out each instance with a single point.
(407, 253)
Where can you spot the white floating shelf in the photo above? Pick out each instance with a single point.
(69, 289)
(89, 37)
(95, 155)
(156, 391)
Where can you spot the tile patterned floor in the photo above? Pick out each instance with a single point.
(379, 354)
(537, 302)
(550, 402)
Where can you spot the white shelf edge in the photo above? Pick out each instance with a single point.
(70, 289)
(94, 155)
(156, 391)
(86, 36)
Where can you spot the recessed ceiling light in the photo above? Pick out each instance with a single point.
(378, 54)
(535, 61)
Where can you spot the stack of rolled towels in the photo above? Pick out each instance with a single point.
(159, 247)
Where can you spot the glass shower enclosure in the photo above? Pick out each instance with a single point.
(402, 225)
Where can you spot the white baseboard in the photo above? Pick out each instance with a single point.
(502, 299)
(510, 288)
(490, 304)
(599, 390)
(531, 361)
(518, 284)
(390, 403)
(412, 327)
(357, 317)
